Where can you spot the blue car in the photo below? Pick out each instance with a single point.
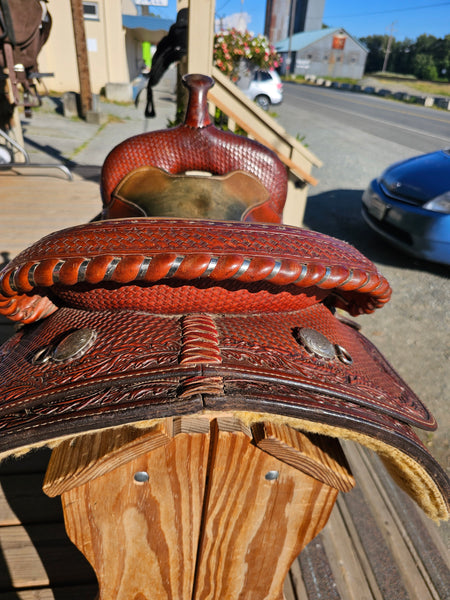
(409, 205)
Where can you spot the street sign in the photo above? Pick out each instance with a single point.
(302, 63)
(152, 2)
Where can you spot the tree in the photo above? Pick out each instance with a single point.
(424, 67)
(442, 57)
(428, 57)
(425, 44)
(376, 45)
(401, 57)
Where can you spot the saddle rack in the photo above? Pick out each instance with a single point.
(7, 154)
(188, 361)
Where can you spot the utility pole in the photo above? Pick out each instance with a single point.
(82, 56)
(388, 49)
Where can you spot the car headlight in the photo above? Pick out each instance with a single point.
(439, 204)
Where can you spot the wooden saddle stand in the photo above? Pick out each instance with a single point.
(187, 359)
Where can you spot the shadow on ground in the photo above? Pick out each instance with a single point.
(338, 213)
(41, 519)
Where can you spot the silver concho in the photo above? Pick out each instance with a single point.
(74, 345)
(316, 343)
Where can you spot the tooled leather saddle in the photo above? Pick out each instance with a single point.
(190, 296)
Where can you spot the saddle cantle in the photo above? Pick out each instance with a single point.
(145, 315)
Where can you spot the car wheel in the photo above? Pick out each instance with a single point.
(263, 102)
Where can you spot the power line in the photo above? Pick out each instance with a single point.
(223, 6)
(384, 12)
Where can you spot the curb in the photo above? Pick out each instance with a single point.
(428, 101)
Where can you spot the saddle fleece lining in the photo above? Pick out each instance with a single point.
(407, 473)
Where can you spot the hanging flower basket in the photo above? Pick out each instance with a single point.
(233, 46)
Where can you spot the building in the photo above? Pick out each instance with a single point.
(118, 36)
(328, 52)
(287, 17)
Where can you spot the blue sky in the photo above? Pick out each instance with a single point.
(409, 18)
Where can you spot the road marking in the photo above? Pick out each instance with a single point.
(403, 112)
(390, 123)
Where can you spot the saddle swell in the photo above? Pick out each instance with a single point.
(132, 320)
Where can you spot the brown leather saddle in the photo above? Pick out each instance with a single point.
(190, 296)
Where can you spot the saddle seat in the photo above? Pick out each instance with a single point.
(162, 308)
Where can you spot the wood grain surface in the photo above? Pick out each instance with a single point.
(81, 459)
(216, 517)
(317, 455)
(142, 539)
(254, 527)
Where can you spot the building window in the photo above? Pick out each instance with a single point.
(90, 10)
(352, 58)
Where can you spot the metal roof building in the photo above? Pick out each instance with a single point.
(330, 52)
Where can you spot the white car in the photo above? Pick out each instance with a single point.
(265, 88)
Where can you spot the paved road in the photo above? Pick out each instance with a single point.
(412, 329)
(420, 128)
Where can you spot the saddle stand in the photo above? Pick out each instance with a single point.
(187, 359)
(7, 162)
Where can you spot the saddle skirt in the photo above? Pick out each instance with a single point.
(134, 318)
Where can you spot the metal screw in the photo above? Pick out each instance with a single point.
(141, 477)
(272, 475)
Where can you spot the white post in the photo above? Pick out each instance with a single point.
(200, 36)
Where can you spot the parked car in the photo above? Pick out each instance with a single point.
(409, 205)
(265, 88)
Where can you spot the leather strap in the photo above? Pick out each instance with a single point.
(9, 59)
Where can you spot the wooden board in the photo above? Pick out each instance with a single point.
(351, 567)
(81, 459)
(39, 554)
(142, 538)
(85, 592)
(259, 514)
(317, 455)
